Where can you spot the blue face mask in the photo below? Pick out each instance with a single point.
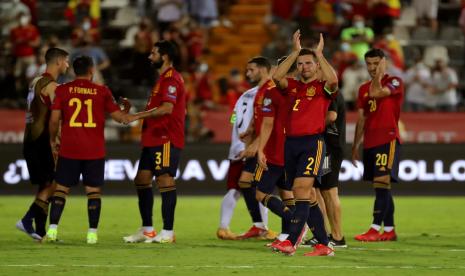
(359, 24)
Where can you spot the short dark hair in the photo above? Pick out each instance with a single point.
(82, 65)
(375, 52)
(166, 47)
(54, 53)
(306, 51)
(261, 62)
(293, 66)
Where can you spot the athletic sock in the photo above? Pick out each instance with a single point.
(299, 219)
(285, 223)
(41, 217)
(168, 206)
(145, 195)
(94, 205)
(389, 217)
(57, 206)
(252, 204)
(381, 205)
(315, 218)
(227, 207)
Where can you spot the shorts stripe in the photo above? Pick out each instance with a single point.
(318, 157)
(392, 151)
(258, 173)
(166, 154)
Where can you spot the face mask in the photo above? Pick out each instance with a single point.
(345, 47)
(24, 20)
(86, 26)
(359, 24)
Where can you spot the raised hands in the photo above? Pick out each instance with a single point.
(321, 45)
(296, 41)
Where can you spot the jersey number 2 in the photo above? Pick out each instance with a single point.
(90, 119)
(296, 108)
(372, 104)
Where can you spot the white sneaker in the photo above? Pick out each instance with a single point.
(163, 237)
(20, 226)
(140, 236)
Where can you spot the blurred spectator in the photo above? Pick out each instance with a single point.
(427, 9)
(353, 76)
(38, 67)
(223, 8)
(85, 29)
(32, 5)
(383, 13)
(9, 97)
(24, 39)
(195, 41)
(173, 34)
(232, 88)
(392, 48)
(358, 36)
(443, 86)
(77, 10)
(205, 12)
(352, 8)
(325, 19)
(417, 81)
(143, 72)
(277, 48)
(203, 86)
(10, 11)
(168, 12)
(343, 58)
(98, 55)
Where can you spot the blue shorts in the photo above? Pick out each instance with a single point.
(250, 165)
(160, 160)
(267, 180)
(304, 156)
(382, 160)
(69, 171)
(39, 161)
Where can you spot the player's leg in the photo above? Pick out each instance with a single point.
(287, 196)
(266, 181)
(228, 204)
(143, 183)
(93, 178)
(331, 198)
(67, 174)
(166, 185)
(316, 220)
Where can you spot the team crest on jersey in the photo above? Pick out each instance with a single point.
(395, 82)
(171, 89)
(310, 92)
(266, 101)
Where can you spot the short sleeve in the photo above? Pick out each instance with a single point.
(110, 103)
(292, 85)
(360, 98)
(169, 90)
(57, 101)
(270, 104)
(395, 85)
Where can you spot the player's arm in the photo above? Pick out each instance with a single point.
(358, 137)
(377, 90)
(166, 108)
(280, 75)
(328, 73)
(265, 133)
(49, 90)
(331, 117)
(247, 136)
(53, 126)
(251, 149)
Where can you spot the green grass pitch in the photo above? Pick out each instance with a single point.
(431, 241)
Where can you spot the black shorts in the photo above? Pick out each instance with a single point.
(382, 160)
(39, 160)
(304, 156)
(160, 160)
(250, 165)
(69, 172)
(267, 180)
(331, 179)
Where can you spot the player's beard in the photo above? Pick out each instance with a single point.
(157, 64)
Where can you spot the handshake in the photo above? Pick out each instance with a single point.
(124, 117)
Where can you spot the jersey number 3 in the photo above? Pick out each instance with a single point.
(90, 119)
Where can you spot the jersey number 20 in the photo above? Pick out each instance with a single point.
(90, 119)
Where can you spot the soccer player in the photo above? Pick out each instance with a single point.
(242, 116)
(379, 103)
(162, 141)
(270, 172)
(258, 70)
(335, 139)
(81, 106)
(36, 146)
(309, 99)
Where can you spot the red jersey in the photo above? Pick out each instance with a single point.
(308, 105)
(168, 128)
(275, 106)
(21, 37)
(382, 114)
(83, 105)
(258, 103)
